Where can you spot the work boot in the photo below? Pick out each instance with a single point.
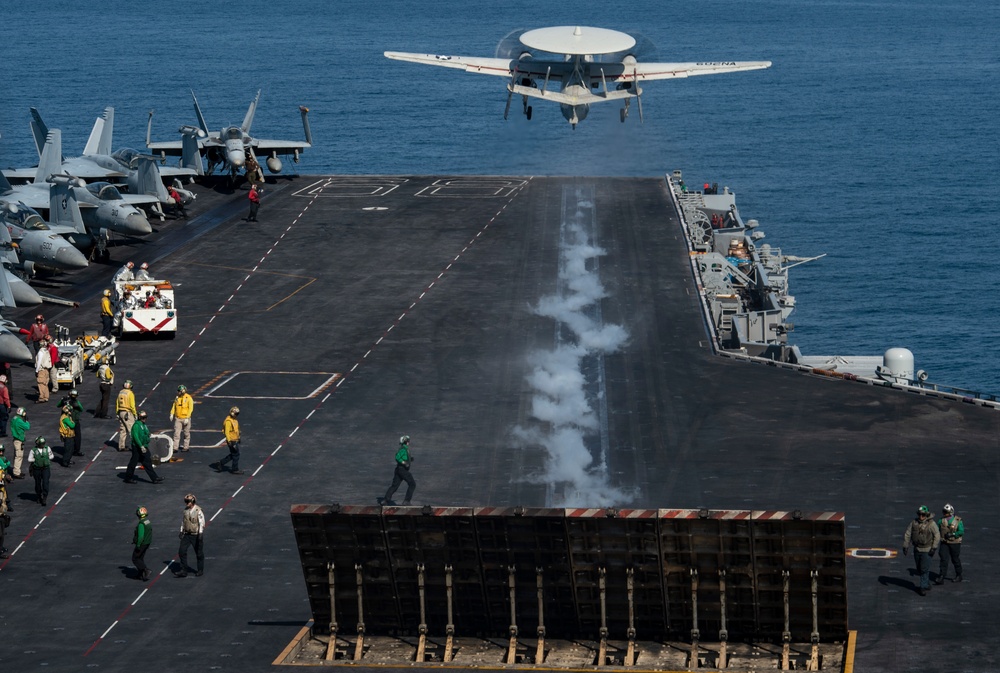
(216, 466)
(146, 575)
(939, 580)
(958, 578)
(406, 503)
(236, 471)
(922, 592)
(158, 480)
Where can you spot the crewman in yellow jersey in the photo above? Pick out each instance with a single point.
(180, 414)
(107, 314)
(125, 409)
(231, 426)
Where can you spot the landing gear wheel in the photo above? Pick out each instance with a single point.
(527, 113)
(622, 114)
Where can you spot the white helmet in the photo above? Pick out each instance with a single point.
(144, 265)
(949, 510)
(405, 439)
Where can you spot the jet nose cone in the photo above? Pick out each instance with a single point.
(68, 257)
(13, 349)
(237, 158)
(137, 225)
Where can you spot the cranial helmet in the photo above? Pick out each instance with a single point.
(923, 510)
(39, 318)
(127, 384)
(141, 512)
(129, 264)
(22, 412)
(405, 439)
(74, 393)
(182, 389)
(144, 266)
(142, 414)
(39, 441)
(234, 411)
(107, 293)
(949, 510)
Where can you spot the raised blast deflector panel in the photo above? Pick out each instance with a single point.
(574, 571)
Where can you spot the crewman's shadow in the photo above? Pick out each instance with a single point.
(129, 572)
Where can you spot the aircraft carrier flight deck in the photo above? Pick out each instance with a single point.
(361, 308)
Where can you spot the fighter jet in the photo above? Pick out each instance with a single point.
(140, 172)
(586, 65)
(35, 244)
(233, 147)
(103, 207)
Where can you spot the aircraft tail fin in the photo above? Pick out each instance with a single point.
(201, 117)
(191, 153)
(5, 185)
(248, 120)
(6, 294)
(38, 130)
(50, 161)
(63, 207)
(101, 135)
(305, 124)
(147, 179)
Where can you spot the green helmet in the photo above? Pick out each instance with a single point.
(39, 441)
(923, 510)
(182, 389)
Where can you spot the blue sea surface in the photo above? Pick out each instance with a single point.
(873, 138)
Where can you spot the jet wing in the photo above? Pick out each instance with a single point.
(623, 72)
(484, 66)
(279, 146)
(170, 147)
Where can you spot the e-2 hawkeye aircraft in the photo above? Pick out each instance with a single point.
(589, 65)
(233, 146)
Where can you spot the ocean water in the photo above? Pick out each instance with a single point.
(873, 138)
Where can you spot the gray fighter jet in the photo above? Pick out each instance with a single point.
(103, 207)
(36, 244)
(233, 147)
(139, 172)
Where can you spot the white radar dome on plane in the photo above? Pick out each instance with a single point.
(899, 362)
(577, 40)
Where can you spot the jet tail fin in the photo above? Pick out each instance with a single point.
(5, 185)
(191, 153)
(147, 179)
(6, 294)
(305, 124)
(201, 117)
(63, 207)
(248, 120)
(101, 135)
(50, 161)
(38, 130)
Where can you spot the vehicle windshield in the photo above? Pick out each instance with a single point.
(105, 191)
(126, 157)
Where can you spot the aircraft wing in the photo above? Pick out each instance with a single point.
(171, 147)
(623, 72)
(484, 66)
(279, 146)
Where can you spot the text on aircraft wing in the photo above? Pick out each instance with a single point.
(650, 71)
(482, 65)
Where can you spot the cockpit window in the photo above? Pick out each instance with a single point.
(105, 191)
(126, 157)
(233, 133)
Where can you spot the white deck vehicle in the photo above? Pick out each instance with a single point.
(70, 365)
(142, 315)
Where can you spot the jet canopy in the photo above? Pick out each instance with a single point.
(24, 217)
(126, 157)
(105, 191)
(233, 133)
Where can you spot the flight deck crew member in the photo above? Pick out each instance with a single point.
(5, 510)
(231, 428)
(106, 380)
(178, 202)
(19, 425)
(76, 412)
(142, 538)
(124, 274)
(142, 273)
(180, 414)
(43, 363)
(4, 405)
(192, 533)
(37, 333)
(952, 530)
(125, 409)
(254, 204)
(39, 464)
(67, 432)
(402, 473)
(923, 532)
(53, 370)
(140, 452)
(107, 314)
